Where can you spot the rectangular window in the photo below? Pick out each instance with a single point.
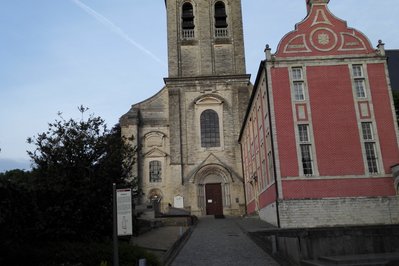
(299, 92)
(369, 147)
(360, 88)
(371, 157)
(155, 171)
(357, 71)
(306, 159)
(298, 83)
(303, 133)
(306, 149)
(367, 131)
(297, 73)
(359, 81)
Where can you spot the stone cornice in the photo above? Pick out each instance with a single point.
(207, 79)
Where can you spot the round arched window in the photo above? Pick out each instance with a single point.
(210, 132)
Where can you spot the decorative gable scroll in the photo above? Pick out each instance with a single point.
(323, 34)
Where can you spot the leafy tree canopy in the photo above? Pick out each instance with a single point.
(74, 166)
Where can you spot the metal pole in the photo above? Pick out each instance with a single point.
(115, 235)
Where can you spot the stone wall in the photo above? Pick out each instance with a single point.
(338, 211)
(295, 245)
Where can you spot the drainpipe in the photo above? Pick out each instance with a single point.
(268, 59)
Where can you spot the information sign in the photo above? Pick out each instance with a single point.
(124, 212)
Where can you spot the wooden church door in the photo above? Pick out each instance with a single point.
(214, 202)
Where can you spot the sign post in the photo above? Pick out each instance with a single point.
(123, 219)
(124, 212)
(115, 234)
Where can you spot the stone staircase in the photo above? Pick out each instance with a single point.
(386, 259)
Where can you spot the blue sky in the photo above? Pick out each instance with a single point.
(107, 55)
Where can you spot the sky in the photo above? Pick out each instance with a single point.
(110, 54)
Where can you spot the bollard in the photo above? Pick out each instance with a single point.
(142, 262)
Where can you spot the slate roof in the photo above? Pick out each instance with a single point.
(393, 67)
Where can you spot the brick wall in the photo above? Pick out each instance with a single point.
(284, 122)
(384, 115)
(335, 127)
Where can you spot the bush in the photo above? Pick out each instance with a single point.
(18, 212)
(74, 254)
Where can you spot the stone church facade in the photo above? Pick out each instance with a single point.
(187, 134)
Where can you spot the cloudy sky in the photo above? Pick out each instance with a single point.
(109, 54)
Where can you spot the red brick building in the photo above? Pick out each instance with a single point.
(319, 139)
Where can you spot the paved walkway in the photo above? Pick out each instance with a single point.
(160, 240)
(223, 242)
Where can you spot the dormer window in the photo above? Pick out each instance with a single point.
(220, 20)
(188, 21)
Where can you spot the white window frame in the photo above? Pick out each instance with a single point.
(303, 130)
(298, 84)
(359, 81)
(360, 90)
(367, 131)
(309, 158)
(370, 148)
(357, 71)
(299, 91)
(305, 143)
(295, 71)
(371, 157)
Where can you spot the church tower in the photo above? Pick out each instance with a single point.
(205, 38)
(189, 156)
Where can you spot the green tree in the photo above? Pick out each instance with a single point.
(75, 164)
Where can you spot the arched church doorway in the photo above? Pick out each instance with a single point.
(213, 190)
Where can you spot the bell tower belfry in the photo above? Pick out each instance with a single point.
(205, 38)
